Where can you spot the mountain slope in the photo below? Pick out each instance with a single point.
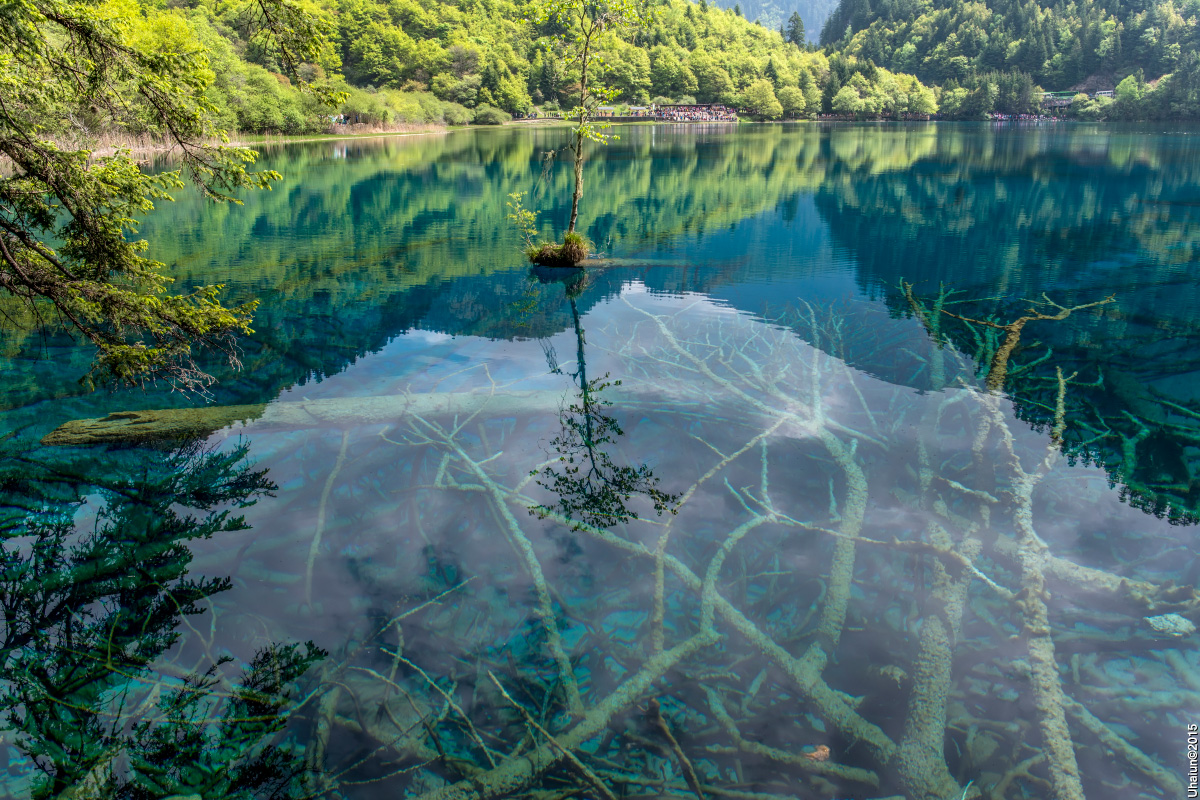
(773, 13)
(454, 61)
(1060, 45)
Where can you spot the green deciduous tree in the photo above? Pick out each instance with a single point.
(921, 100)
(848, 101)
(629, 72)
(68, 220)
(791, 99)
(760, 99)
(713, 84)
(1130, 90)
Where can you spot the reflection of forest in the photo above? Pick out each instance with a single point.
(367, 240)
(1080, 215)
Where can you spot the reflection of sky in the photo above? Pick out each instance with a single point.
(387, 542)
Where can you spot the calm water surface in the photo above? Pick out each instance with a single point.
(784, 475)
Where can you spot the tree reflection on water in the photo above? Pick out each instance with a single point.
(591, 488)
(94, 587)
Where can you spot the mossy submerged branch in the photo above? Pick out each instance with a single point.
(921, 757)
(518, 772)
(1032, 603)
(788, 411)
(921, 760)
(998, 372)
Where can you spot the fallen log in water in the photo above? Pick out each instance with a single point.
(602, 261)
(135, 427)
(140, 427)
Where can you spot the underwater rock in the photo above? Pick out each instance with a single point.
(1172, 625)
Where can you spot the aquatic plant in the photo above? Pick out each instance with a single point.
(573, 249)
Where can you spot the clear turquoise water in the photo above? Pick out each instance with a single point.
(860, 548)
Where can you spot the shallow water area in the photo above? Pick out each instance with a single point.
(862, 464)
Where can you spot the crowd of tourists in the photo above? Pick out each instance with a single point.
(923, 117)
(712, 113)
(706, 113)
(1022, 118)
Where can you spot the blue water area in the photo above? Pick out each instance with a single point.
(862, 461)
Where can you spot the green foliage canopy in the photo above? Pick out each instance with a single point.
(68, 219)
(1001, 51)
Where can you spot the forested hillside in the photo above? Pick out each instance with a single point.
(458, 61)
(482, 52)
(993, 53)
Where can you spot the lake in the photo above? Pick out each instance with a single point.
(863, 462)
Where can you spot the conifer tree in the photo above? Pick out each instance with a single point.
(795, 30)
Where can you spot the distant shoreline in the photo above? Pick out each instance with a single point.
(105, 146)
